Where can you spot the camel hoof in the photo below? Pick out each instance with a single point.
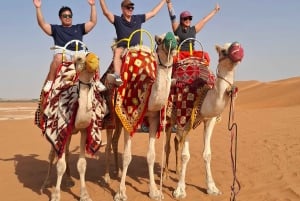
(55, 196)
(84, 196)
(120, 196)
(156, 195)
(214, 191)
(45, 185)
(179, 193)
(107, 178)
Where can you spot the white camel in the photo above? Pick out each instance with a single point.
(158, 98)
(78, 109)
(207, 110)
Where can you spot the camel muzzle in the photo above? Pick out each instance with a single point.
(236, 52)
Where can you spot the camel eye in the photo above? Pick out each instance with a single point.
(224, 52)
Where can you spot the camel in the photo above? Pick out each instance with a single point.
(153, 100)
(206, 109)
(72, 105)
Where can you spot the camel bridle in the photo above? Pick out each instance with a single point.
(165, 49)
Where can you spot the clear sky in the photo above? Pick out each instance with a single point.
(269, 31)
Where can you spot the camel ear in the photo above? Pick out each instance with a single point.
(158, 39)
(79, 61)
(79, 58)
(218, 48)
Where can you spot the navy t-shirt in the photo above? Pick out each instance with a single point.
(61, 35)
(124, 28)
(183, 34)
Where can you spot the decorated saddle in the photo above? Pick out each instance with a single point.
(193, 80)
(57, 109)
(138, 74)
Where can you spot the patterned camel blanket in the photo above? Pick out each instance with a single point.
(138, 74)
(193, 80)
(56, 111)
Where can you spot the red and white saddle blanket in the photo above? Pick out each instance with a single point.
(138, 75)
(56, 111)
(193, 80)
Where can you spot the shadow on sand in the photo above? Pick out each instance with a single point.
(29, 166)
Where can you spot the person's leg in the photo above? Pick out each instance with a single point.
(57, 60)
(117, 60)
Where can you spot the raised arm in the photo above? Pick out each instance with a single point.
(88, 26)
(155, 10)
(172, 15)
(204, 20)
(109, 15)
(46, 27)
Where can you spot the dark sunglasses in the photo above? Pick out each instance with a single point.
(66, 16)
(129, 7)
(187, 18)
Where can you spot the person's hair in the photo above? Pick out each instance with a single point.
(63, 9)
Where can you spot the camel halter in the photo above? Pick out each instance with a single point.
(169, 44)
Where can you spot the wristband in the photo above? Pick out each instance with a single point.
(172, 18)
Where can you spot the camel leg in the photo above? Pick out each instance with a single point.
(69, 182)
(179, 142)
(167, 152)
(208, 129)
(109, 133)
(178, 164)
(112, 144)
(51, 158)
(81, 167)
(154, 193)
(115, 145)
(180, 192)
(61, 168)
(127, 157)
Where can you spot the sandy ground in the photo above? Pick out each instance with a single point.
(268, 154)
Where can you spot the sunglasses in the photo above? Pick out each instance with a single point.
(187, 18)
(66, 16)
(129, 7)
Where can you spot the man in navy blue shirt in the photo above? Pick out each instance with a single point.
(124, 25)
(63, 33)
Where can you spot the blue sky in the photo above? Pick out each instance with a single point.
(268, 30)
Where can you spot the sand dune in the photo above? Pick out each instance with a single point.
(268, 119)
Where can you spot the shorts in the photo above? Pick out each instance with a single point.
(68, 54)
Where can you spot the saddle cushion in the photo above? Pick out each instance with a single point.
(193, 79)
(138, 75)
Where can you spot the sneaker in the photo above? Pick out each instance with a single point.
(48, 86)
(114, 79)
(101, 87)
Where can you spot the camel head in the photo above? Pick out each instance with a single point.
(232, 52)
(92, 62)
(87, 61)
(167, 42)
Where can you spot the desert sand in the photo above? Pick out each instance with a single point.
(268, 153)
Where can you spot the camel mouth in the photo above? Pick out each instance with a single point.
(236, 52)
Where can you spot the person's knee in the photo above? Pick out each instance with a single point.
(57, 59)
(118, 52)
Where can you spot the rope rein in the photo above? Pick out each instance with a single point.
(164, 123)
(232, 126)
